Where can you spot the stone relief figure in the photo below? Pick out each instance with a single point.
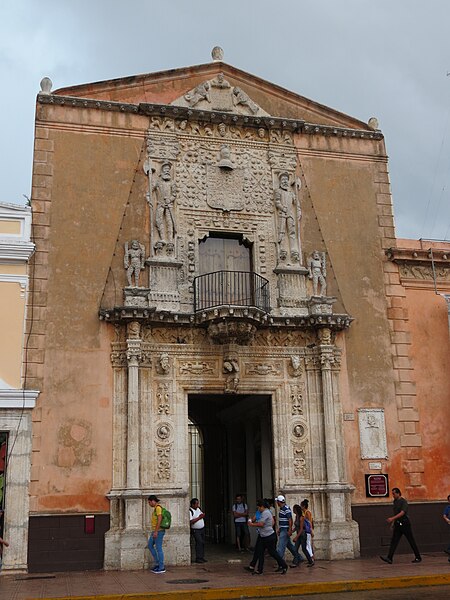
(231, 371)
(163, 364)
(220, 82)
(317, 271)
(225, 161)
(134, 261)
(201, 92)
(165, 191)
(289, 215)
(240, 97)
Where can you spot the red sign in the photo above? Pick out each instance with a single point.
(377, 486)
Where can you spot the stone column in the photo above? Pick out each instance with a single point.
(343, 532)
(133, 356)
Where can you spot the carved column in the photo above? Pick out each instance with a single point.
(326, 361)
(134, 343)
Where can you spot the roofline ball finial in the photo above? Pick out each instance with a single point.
(46, 85)
(217, 54)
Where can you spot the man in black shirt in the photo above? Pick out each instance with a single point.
(402, 526)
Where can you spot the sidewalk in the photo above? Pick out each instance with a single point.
(227, 579)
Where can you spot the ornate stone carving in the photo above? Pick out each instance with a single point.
(288, 219)
(299, 430)
(231, 332)
(163, 463)
(296, 367)
(225, 161)
(264, 369)
(164, 431)
(201, 92)
(165, 191)
(296, 395)
(133, 330)
(280, 158)
(423, 272)
(317, 271)
(134, 261)
(225, 188)
(240, 97)
(324, 336)
(299, 462)
(118, 358)
(163, 364)
(161, 147)
(197, 368)
(163, 399)
(231, 371)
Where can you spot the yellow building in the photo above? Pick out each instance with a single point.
(15, 402)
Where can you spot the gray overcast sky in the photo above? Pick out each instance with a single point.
(383, 58)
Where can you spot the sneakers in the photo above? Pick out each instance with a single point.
(310, 564)
(158, 570)
(200, 560)
(256, 572)
(386, 559)
(250, 569)
(417, 559)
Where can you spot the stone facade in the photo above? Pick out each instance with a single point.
(210, 248)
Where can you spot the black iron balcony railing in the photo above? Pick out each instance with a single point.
(237, 288)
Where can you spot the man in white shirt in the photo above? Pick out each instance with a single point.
(196, 517)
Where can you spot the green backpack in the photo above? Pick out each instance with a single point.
(166, 520)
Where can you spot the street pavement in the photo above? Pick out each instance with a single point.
(225, 577)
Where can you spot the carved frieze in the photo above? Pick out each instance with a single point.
(160, 147)
(118, 356)
(424, 272)
(197, 367)
(264, 369)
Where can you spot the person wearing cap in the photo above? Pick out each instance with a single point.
(285, 524)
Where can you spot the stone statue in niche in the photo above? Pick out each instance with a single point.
(201, 92)
(317, 271)
(289, 215)
(231, 371)
(240, 97)
(165, 191)
(134, 261)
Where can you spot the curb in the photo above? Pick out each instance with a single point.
(261, 591)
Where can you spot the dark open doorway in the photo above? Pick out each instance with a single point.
(231, 453)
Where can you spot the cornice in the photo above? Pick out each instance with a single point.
(125, 314)
(419, 256)
(15, 398)
(15, 252)
(204, 116)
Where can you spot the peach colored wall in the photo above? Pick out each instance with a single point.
(430, 353)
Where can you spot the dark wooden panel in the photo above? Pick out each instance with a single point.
(58, 543)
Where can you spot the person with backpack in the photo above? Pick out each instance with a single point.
(240, 515)
(160, 522)
(196, 519)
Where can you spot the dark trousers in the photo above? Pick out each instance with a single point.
(403, 528)
(256, 552)
(269, 543)
(199, 538)
(302, 540)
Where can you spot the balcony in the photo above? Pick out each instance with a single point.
(231, 288)
(233, 304)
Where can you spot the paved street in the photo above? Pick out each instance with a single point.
(428, 593)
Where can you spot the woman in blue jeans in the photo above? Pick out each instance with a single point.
(155, 542)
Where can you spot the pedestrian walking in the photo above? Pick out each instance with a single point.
(196, 519)
(268, 539)
(401, 526)
(309, 526)
(301, 527)
(285, 525)
(446, 517)
(155, 542)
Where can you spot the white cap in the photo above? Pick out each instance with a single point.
(280, 498)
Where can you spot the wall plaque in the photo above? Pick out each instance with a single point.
(377, 486)
(372, 433)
